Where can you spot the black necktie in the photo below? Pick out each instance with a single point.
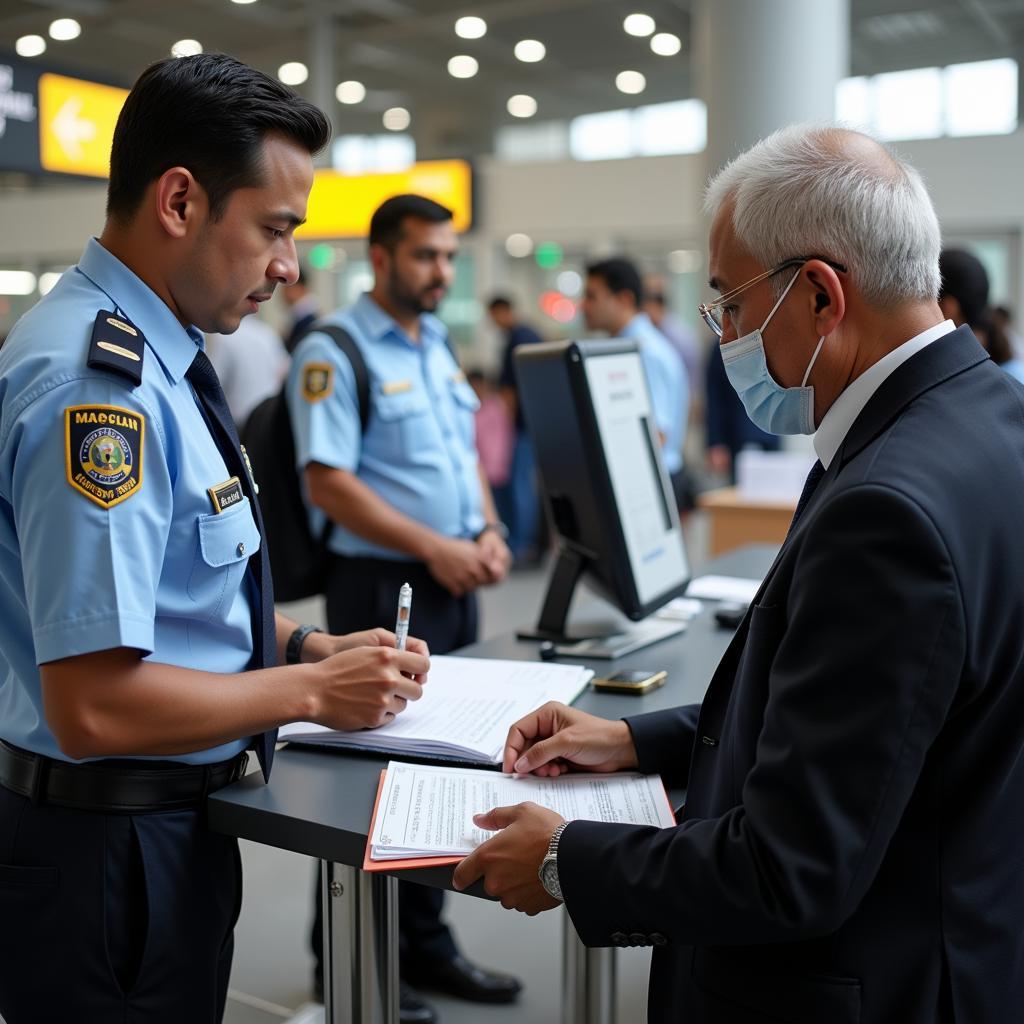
(264, 633)
(810, 485)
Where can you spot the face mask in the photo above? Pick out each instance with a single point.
(769, 405)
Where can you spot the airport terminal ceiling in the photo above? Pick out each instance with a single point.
(399, 49)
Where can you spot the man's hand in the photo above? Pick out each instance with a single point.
(556, 739)
(509, 862)
(495, 554)
(367, 686)
(458, 565)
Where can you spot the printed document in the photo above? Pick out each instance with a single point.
(468, 706)
(427, 811)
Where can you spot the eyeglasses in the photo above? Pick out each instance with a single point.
(712, 312)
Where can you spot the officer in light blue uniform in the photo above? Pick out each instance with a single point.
(134, 588)
(418, 452)
(110, 556)
(383, 420)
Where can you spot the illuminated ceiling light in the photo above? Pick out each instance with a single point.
(521, 105)
(630, 82)
(470, 27)
(685, 261)
(293, 73)
(666, 44)
(638, 25)
(64, 29)
(529, 51)
(30, 46)
(519, 245)
(243, 1)
(186, 48)
(48, 280)
(350, 92)
(396, 119)
(463, 66)
(17, 282)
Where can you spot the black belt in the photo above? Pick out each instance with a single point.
(114, 786)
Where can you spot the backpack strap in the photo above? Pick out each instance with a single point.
(344, 341)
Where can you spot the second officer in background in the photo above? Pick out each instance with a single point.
(408, 499)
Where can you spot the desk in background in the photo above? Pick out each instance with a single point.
(736, 521)
(318, 803)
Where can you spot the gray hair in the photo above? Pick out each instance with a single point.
(822, 190)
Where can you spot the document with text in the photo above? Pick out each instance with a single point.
(427, 812)
(467, 708)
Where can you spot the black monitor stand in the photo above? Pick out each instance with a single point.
(554, 614)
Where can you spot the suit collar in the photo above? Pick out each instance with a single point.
(938, 362)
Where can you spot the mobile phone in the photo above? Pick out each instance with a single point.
(631, 681)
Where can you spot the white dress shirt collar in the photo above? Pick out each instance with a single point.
(836, 423)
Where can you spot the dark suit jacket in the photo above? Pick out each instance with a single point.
(852, 847)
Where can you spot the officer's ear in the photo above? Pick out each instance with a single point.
(380, 260)
(178, 198)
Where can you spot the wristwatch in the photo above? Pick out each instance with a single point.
(548, 872)
(497, 527)
(293, 652)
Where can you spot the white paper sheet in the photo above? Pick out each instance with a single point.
(723, 588)
(426, 810)
(466, 710)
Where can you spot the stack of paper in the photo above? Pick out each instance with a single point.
(724, 588)
(467, 708)
(425, 814)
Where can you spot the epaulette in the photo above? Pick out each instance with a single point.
(117, 345)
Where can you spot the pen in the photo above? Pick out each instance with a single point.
(404, 611)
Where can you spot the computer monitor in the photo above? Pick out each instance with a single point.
(588, 412)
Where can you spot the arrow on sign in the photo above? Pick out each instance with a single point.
(72, 130)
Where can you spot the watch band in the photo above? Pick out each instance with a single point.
(555, 836)
(293, 652)
(497, 527)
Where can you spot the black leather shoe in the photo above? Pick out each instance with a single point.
(458, 977)
(412, 1009)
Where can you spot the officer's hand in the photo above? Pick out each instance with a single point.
(372, 638)
(496, 555)
(458, 565)
(509, 862)
(367, 687)
(556, 739)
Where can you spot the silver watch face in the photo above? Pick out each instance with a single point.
(549, 876)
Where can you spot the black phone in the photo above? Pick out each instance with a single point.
(631, 681)
(730, 614)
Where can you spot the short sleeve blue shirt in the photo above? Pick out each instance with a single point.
(159, 569)
(419, 449)
(669, 384)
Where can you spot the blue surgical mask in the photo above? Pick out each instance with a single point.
(772, 407)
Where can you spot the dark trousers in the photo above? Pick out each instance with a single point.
(119, 917)
(363, 593)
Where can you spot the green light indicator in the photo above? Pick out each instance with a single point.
(321, 257)
(549, 255)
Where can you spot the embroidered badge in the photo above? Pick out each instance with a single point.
(396, 387)
(103, 452)
(317, 381)
(225, 495)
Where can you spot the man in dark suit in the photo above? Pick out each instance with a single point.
(851, 843)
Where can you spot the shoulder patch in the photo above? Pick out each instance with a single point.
(118, 346)
(103, 452)
(317, 381)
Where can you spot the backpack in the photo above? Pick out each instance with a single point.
(298, 560)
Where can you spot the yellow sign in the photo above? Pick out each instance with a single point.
(76, 124)
(341, 205)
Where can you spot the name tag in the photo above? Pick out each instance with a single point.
(396, 387)
(224, 495)
(458, 377)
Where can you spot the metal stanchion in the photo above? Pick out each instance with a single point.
(588, 980)
(360, 946)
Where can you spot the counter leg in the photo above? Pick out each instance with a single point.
(588, 980)
(360, 946)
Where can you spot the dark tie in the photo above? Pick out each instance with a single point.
(264, 633)
(810, 484)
